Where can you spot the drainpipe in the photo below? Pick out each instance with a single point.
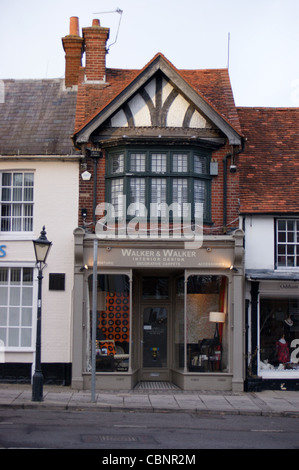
(95, 155)
(232, 169)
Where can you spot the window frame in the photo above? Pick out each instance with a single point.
(19, 348)
(170, 175)
(287, 243)
(9, 218)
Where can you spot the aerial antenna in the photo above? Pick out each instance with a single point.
(120, 12)
(228, 46)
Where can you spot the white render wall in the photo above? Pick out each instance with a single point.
(56, 207)
(259, 242)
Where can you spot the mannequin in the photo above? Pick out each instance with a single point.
(282, 349)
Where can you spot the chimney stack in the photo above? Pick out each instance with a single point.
(73, 47)
(95, 39)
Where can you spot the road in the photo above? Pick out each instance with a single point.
(34, 429)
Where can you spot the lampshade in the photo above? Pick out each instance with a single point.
(217, 317)
(41, 247)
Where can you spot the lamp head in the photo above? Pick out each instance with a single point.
(42, 247)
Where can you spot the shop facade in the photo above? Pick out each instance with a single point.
(155, 306)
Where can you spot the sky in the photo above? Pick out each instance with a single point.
(257, 40)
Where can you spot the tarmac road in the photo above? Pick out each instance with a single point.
(132, 431)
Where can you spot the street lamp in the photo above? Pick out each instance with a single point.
(41, 250)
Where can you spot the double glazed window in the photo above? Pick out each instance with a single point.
(154, 180)
(16, 201)
(287, 246)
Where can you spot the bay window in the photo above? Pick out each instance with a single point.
(151, 179)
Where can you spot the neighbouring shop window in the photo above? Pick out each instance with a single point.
(16, 200)
(279, 336)
(16, 306)
(207, 340)
(113, 323)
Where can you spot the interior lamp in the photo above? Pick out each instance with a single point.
(217, 317)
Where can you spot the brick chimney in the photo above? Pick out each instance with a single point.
(73, 47)
(95, 38)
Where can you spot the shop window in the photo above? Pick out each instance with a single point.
(207, 332)
(279, 337)
(113, 323)
(16, 306)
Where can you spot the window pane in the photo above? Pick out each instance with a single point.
(26, 317)
(13, 337)
(3, 316)
(113, 323)
(281, 225)
(25, 337)
(3, 335)
(207, 341)
(179, 194)
(155, 288)
(200, 164)
(180, 163)
(137, 162)
(3, 295)
(17, 179)
(15, 295)
(15, 276)
(158, 196)
(14, 316)
(137, 196)
(6, 179)
(117, 164)
(159, 163)
(28, 276)
(3, 276)
(116, 196)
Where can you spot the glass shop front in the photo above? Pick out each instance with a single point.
(162, 314)
(279, 331)
(157, 323)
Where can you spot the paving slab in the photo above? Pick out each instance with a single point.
(190, 402)
(163, 402)
(216, 402)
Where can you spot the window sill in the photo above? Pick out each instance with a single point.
(19, 236)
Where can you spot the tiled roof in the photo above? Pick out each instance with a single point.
(213, 85)
(37, 118)
(269, 166)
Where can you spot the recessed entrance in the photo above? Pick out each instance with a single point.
(155, 320)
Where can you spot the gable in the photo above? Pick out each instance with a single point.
(158, 104)
(159, 97)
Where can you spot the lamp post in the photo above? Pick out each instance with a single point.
(41, 250)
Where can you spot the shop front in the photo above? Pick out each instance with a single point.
(275, 330)
(164, 313)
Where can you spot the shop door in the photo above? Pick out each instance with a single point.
(155, 342)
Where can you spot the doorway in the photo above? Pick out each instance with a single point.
(155, 328)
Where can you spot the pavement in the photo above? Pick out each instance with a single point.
(265, 403)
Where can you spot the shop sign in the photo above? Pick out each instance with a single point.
(2, 251)
(161, 258)
(285, 287)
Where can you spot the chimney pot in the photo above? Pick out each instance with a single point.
(96, 22)
(74, 26)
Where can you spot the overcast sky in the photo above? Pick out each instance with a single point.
(192, 34)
